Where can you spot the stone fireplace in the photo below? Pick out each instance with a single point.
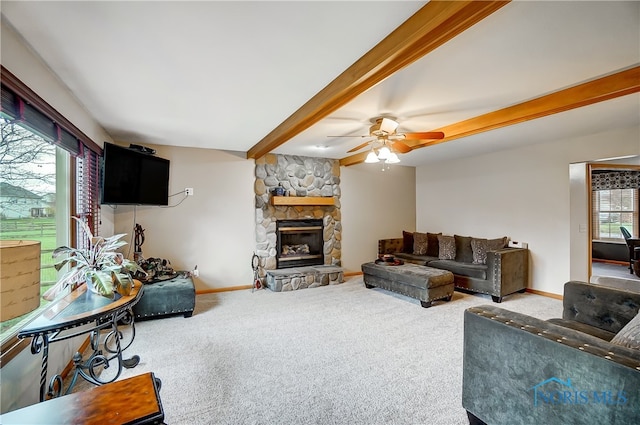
(299, 243)
(302, 179)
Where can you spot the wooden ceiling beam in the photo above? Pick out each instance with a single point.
(609, 87)
(430, 27)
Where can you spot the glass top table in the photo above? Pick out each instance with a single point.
(66, 318)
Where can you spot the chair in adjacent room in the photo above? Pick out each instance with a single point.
(634, 247)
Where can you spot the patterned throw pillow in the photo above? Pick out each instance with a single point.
(447, 245)
(480, 248)
(420, 243)
(629, 336)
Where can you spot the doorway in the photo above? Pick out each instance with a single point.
(613, 203)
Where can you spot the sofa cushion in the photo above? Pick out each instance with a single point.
(464, 253)
(415, 259)
(480, 247)
(477, 271)
(420, 241)
(433, 247)
(407, 242)
(446, 247)
(629, 336)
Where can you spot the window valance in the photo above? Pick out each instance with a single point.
(21, 104)
(623, 179)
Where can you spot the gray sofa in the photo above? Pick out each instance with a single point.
(518, 369)
(504, 271)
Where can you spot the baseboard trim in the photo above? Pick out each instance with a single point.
(545, 294)
(617, 262)
(226, 289)
(350, 274)
(69, 367)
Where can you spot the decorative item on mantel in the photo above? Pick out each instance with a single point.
(19, 277)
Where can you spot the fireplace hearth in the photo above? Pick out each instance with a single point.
(299, 243)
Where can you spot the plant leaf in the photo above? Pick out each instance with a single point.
(101, 282)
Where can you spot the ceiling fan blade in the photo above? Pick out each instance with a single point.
(426, 135)
(400, 147)
(357, 148)
(351, 136)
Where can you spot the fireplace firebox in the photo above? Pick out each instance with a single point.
(299, 243)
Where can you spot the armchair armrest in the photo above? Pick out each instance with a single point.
(508, 270)
(601, 306)
(389, 246)
(518, 356)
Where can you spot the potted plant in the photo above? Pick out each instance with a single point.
(99, 265)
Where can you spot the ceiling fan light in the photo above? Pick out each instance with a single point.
(371, 158)
(388, 125)
(393, 158)
(384, 153)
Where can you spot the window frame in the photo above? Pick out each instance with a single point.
(594, 212)
(22, 103)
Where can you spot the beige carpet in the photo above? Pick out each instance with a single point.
(338, 354)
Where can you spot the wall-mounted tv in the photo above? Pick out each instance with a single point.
(131, 177)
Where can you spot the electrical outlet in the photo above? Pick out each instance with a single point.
(188, 191)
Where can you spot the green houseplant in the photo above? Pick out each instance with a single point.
(99, 265)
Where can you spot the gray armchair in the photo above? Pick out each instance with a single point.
(522, 370)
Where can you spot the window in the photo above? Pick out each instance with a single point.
(28, 200)
(49, 171)
(614, 206)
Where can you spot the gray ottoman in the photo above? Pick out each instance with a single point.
(423, 283)
(166, 297)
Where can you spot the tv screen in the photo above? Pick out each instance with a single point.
(131, 177)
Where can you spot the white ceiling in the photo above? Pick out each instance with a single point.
(222, 75)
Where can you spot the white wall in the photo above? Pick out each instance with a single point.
(19, 385)
(214, 229)
(375, 205)
(523, 193)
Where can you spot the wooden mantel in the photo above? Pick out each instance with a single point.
(302, 200)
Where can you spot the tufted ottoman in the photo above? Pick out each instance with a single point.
(426, 284)
(167, 297)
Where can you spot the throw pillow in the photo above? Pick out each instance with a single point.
(447, 247)
(420, 242)
(629, 336)
(464, 253)
(433, 247)
(407, 242)
(479, 248)
(499, 243)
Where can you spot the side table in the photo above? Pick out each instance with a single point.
(129, 401)
(70, 313)
(167, 297)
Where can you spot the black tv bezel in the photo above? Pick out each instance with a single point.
(139, 156)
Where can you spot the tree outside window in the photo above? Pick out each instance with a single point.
(28, 200)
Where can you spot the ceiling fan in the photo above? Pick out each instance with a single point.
(384, 134)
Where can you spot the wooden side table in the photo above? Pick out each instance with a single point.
(129, 401)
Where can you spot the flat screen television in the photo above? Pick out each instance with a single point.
(131, 177)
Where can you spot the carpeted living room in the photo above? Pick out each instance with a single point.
(302, 142)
